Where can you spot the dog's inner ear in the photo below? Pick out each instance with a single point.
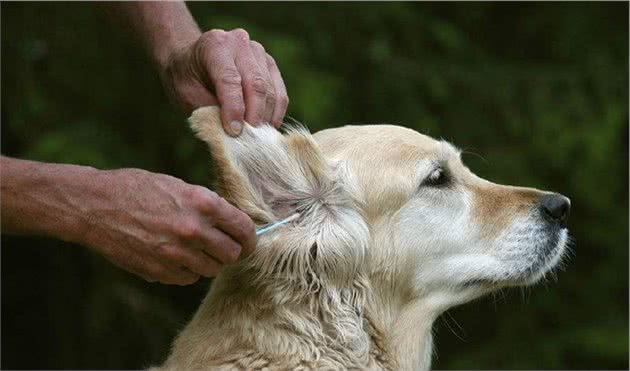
(266, 174)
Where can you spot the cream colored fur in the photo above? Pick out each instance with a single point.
(380, 251)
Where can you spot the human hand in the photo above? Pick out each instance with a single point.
(164, 229)
(228, 69)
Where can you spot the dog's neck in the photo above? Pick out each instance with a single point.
(237, 317)
(407, 322)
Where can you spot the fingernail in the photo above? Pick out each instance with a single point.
(236, 127)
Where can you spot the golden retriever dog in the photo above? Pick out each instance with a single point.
(393, 230)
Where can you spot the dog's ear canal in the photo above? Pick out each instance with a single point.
(262, 172)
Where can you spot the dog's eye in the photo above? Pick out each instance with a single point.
(437, 178)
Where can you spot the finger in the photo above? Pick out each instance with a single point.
(172, 275)
(254, 83)
(282, 99)
(152, 270)
(220, 246)
(227, 82)
(226, 217)
(235, 223)
(135, 265)
(195, 260)
(261, 60)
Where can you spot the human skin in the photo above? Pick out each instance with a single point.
(198, 69)
(154, 225)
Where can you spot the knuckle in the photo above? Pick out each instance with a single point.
(171, 254)
(283, 101)
(212, 202)
(196, 193)
(241, 34)
(214, 205)
(236, 109)
(271, 98)
(230, 78)
(270, 61)
(216, 32)
(214, 37)
(189, 229)
(244, 228)
(258, 85)
(204, 199)
(258, 47)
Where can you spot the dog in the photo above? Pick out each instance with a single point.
(393, 230)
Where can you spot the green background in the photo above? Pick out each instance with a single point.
(539, 90)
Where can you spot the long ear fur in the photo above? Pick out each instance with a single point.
(271, 176)
(231, 181)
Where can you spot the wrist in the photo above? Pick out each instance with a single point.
(84, 187)
(166, 27)
(163, 55)
(162, 27)
(75, 189)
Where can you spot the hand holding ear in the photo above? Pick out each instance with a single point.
(163, 229)
(228, 69)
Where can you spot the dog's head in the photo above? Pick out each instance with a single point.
(383, 202)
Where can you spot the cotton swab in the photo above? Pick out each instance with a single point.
(269, 227)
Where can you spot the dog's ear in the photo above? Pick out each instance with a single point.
(270, 176)
(262, 172)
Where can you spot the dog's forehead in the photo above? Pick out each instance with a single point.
(382, 143)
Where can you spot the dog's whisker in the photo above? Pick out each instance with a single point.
(446, 317)
(467, 152)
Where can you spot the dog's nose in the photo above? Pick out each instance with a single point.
(556, 206)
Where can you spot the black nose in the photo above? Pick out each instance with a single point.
(556, 206)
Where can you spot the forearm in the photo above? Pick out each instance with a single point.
(153, 225)
(45, 199)
(162, 26)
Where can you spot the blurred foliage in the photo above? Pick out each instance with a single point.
(538, 90)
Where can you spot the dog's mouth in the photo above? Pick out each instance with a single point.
(530, 268)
